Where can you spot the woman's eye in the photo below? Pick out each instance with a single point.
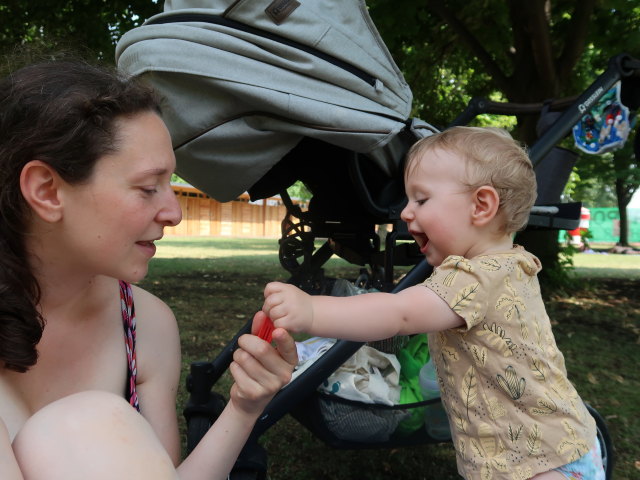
(149, 190)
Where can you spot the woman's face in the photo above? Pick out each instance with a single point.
(112, 221)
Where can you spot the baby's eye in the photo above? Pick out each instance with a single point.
(422, 201)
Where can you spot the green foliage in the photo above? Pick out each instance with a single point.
(559, 278)
(453, 50)
(176, 179)
(449, 51)
(94, 25)
(299, 190)
(523, 52)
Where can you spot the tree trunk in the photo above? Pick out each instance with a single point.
(623, 201)
(544, 245)
(541, 67)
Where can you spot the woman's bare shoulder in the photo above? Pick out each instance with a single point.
(158, 338)
(147, 303)
(154, 318)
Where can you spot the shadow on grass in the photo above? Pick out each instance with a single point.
(597, 327)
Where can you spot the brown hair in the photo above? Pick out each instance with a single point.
(62, 112)
(492, 157)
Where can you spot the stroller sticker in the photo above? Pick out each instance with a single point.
(605, 127)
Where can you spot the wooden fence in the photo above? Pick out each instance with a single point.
(205, 216)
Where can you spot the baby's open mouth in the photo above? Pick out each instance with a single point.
(421, 239)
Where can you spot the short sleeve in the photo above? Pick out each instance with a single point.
(457, 282)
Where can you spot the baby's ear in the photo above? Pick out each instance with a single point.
(39, 184)
(486, 202)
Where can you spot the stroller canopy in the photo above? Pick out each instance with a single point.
(245, 81)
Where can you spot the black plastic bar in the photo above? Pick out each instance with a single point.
(480, 105)
(573, 108)
(342, 350)
(204, 375)
(475, 107)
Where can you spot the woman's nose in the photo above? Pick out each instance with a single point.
(170, 214)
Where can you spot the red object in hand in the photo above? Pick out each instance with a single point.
(266, 329)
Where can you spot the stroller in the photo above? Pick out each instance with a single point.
(261, 94)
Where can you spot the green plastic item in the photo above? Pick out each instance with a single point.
(412, 358)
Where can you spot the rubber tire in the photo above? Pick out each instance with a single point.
(606, 445)
(197, 427)
(246, 474)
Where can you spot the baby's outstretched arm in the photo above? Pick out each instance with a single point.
(367, 317)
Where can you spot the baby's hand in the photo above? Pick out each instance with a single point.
(288, 307)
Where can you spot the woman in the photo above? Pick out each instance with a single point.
(85, 168)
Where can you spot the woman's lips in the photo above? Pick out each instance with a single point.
(148, 247)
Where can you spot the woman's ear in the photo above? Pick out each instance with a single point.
(486, 202)
(40, 186)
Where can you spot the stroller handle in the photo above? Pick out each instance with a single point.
(287, 398)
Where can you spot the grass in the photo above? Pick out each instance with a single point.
(605, 265)
(214, 286)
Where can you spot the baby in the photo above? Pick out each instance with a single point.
(513, 412)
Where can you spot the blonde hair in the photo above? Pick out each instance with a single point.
(492, 157)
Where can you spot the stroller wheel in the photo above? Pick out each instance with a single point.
(606, 446)
(251, 463)
(247, 475)
(292, 250)
(197, 427)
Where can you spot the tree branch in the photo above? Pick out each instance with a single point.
(472, 43)
(532, 17)
(576, 38)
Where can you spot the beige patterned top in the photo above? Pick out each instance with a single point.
(503, 381)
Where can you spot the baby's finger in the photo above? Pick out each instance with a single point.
(271, 288)
(270, 302)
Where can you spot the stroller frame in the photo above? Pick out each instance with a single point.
(299, 232)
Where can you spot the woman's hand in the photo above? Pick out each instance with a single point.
(260, 370)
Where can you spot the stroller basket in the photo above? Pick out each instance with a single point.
(342, 423)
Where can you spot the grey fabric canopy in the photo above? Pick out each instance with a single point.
(244, 81)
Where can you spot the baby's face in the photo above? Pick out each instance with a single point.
(439, 207)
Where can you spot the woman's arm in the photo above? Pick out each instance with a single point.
(158, 368)
(8, 464)
(260, 371)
